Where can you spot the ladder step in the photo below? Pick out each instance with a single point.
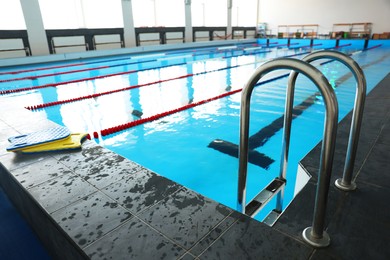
(264, 197)
(272, 217)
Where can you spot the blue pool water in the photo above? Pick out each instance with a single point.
(181, 146)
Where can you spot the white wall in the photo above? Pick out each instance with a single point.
(325, 13)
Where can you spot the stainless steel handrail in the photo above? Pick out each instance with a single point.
(311, 234)
(328, 144)
(345, 183)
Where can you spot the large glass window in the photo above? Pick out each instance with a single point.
(11, 15)
(168, 13)
(73, 14)
(61, 14)
(102, 13)
(244, 13)
(209, 13)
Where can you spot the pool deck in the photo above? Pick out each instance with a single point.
(95, 204)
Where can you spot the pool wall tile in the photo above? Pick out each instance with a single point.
(55, 240)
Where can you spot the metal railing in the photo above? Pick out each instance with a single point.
(311, 235)
(345, 183)
(316, 233)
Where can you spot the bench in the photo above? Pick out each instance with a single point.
(13, 45)
(68, 42)
(106, 41)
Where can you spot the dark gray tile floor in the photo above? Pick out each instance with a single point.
(95, 204)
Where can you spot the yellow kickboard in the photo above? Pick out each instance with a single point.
(72, 142)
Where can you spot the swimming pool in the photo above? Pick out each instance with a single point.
(191, 146)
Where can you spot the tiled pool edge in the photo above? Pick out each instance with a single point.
(61, 246)
(203, 241)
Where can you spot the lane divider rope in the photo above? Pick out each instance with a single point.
(10, 91)
(95, 95)
(140, 121)
(87, 63)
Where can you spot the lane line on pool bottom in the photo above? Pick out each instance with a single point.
(263, 135)
(122, 127)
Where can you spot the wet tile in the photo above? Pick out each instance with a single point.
(249, 239)
(99, 166)
(37, 173)
(210, 238)
(90, 152)
(185, 217)
(90, 218)
(61, 191)
(141, 190)
(134, 240)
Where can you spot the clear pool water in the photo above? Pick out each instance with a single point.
(181, 146)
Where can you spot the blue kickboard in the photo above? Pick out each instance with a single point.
(36, 138)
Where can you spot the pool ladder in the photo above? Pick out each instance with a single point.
(314, 235)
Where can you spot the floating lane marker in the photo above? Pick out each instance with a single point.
(175, 57)
(55, 103)
(75, 71)
(305, 46)
(128, 125)
(10, 91)
(122, 127)
(63, 66)
(227, 48)
(252, 48)
(256, 140)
